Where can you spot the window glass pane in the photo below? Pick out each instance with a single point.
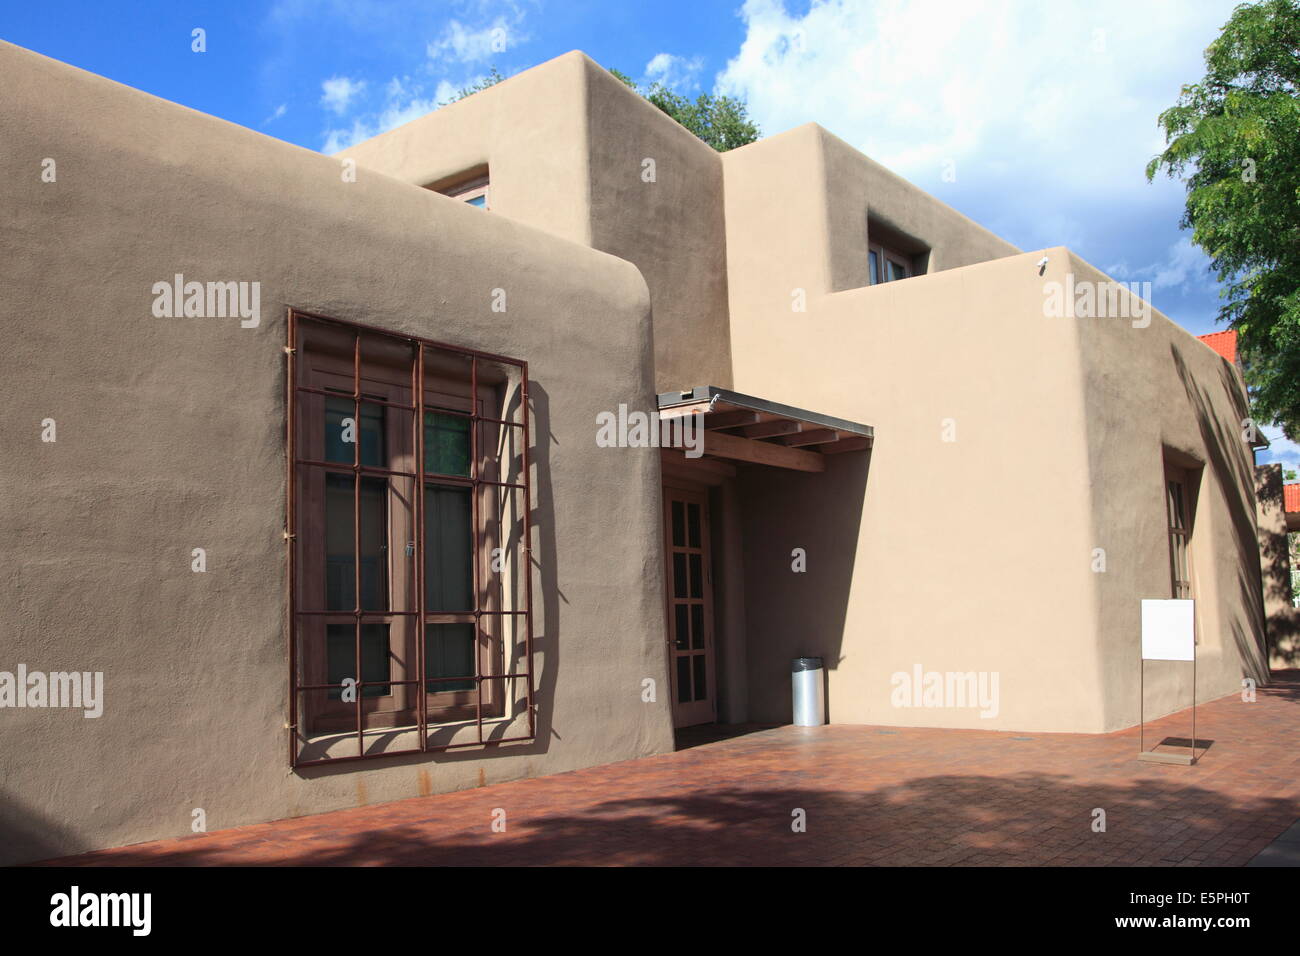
(340, 546)
(449, 652)
(1177, 517)
(479, 201)
(448, 572)
(374, 544)
(370, 430)
(446, 444)
(341, 663)
(897, 271)
(875, 267)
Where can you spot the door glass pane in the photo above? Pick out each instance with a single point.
(697, 576)
(679, 575)
(684, 679)
(448, 545)
(341, 663)
(340, 546)
(701, 686)
(697, 626)
(679, 525)
(449, 652)
(446, 444)
(683, 633)
(693, 524)
(370, 431)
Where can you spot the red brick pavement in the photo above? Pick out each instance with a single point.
(872, 795)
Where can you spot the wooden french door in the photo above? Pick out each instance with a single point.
(690, 606)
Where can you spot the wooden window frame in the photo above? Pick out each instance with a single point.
(497, 472)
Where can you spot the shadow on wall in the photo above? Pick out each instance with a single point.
(1026, 818)
(792, 614)
(1230, 459)
(546, 620)
(28, 834)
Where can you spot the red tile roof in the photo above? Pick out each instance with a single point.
(1225, 343)
(1291, 497)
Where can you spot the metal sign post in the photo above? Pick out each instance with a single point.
(1168, 634)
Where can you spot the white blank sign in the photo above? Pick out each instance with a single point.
(1168, 630)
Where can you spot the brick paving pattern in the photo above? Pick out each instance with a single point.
(873, 796)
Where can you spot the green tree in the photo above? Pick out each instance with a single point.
(1235, 138)
(721, 121)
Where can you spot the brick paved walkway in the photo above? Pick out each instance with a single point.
(872, 796)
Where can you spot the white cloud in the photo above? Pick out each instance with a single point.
(276, 114)
(1060, 96)
(461, 44)
(1184, 264)
(338, 92)
(674, 71)
(404, 101)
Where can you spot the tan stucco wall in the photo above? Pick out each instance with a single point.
(973, 555)
(1148, 390)
(673, 228)
(566, 146)
(170, 437)
(969, 555)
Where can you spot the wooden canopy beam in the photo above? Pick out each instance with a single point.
(722, 445)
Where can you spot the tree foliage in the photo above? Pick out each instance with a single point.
(1235, 138)
(492, 79)
(720, 121)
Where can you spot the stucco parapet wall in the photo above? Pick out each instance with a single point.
(245, 166)
(531, 131)
(834, 201)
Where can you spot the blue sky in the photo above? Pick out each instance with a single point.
(1033, 118)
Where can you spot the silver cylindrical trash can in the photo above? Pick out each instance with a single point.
(809, 691)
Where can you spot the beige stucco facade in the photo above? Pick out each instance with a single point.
(1011, 448)
(170, 437)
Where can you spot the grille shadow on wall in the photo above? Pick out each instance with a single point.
(410, 599)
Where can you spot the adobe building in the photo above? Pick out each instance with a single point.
(304, 456)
